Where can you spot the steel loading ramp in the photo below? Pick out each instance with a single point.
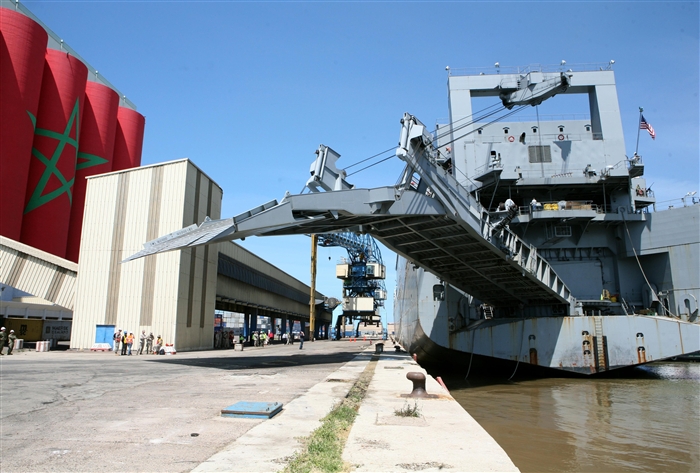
(411, 224)
(434, 222)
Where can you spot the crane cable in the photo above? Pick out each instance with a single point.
(434, 141)
(452, 130)
(489, 123)
(437, 137)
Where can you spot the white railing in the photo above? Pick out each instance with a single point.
(475, 71)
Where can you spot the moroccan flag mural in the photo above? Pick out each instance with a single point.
(49, 195)
(96, 145)
(22, 49)
(129, 141)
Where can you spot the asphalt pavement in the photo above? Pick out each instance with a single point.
(99, 412)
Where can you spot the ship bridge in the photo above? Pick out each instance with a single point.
(434, 223)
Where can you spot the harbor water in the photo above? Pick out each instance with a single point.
(648, 419)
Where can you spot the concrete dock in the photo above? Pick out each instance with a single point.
(78, 411)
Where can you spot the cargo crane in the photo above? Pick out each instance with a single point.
(362, 273)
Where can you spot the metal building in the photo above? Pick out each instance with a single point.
(173, 294)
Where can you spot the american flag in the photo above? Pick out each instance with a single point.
(644, 125)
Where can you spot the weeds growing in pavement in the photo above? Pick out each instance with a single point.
(323, 449)
(408, 411)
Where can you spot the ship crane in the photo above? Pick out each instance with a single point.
(533, 89)
(362, 273)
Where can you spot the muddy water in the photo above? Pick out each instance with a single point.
(647, 421)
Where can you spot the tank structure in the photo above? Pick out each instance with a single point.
(62, 122)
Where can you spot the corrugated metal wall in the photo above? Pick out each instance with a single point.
(37, 272)
(171, 294)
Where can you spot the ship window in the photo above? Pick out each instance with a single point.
(438, 292)
(539, 154)
(561, 129)
(534, 129)
(562, 231)
(588, 127)
(480, 131)
(505, 130)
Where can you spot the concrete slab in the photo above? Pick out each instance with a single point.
(444, 438)
(270, 445)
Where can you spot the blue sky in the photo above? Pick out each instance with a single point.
(248, 90)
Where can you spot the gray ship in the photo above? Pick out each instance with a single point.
(520, 242)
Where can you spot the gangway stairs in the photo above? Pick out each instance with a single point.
(437, 225)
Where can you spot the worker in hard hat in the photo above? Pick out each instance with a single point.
(3, 339)
(117, 338)
(11, 341)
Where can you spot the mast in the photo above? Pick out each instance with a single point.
(639, 127)
(312, 302)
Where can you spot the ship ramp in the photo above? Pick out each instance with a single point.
(435, 223)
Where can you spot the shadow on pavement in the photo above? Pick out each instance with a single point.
(258, 362)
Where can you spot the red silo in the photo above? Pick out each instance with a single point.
(95, 150)
(22, 49)
(129, 141)
(48, 198)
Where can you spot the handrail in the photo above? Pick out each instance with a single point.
(497, 69)
(573, 205)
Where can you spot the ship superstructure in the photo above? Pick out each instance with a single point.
(529, 241)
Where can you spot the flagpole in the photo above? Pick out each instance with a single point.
(639, 125)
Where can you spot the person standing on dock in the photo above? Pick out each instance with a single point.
(117, 338)
(129, 343)
(301, 339)
(142, 341)
(149, 343)
(11, 341)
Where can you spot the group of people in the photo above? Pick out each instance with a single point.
(7, 340)
(146, 342)
(260, 339)
(289, 339)
(227, 339)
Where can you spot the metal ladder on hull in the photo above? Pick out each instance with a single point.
(600, 344)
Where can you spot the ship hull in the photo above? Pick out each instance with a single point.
(450, 331)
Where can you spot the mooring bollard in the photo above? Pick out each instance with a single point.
(418, 380)
(379, 348)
